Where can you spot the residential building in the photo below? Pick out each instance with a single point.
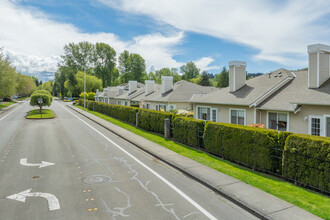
(168, 96)
(283, 100)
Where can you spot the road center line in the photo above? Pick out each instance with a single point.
(191, 201)
(10, 112)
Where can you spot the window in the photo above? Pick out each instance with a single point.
(278, 121)
(237, 116)
(148, 106)
(316, 126)
(172, 107)
(161, 107)
(119, 102)
(204, 113)
(214, 114)
(126, 103)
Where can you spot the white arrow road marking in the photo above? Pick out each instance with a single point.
(41, 165)
(53, 203)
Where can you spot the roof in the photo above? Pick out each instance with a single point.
(113, 91)
(182, 91)
(254, 89)
(129, 96)
(297, 93)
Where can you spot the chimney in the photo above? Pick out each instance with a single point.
(132, 86)
(105, 89)
(318, 64)
(237, 75)
(150, 86)
(120, 90)
(97, 90)
(167, 83)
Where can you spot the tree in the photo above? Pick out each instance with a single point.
(26, 85)
(46, 97)
(92, 84)
(8, 77)
(204, 79)
(48, 86)
(167, 72)
(136, 67)
(105, 62)
(124, 66)
(222, 79)
(189, 71)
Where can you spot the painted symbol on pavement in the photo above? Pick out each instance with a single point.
(53, 202)
(41, 165)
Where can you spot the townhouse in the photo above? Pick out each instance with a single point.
(283, 100)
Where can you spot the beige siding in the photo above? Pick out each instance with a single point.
(298, 123)
(223, 112)
(324, 68)
(231, 78)
(312, 70)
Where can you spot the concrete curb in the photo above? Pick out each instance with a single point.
(283, 209)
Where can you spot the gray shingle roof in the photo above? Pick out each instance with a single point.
(182, 91)
(253, 90)
(297, 92)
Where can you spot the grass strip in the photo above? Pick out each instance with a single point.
(308, 200)
(5, 104)
(45, 113)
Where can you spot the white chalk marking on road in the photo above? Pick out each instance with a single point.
(53, 203)
(10, 113)
(24, 162)
(191, 201)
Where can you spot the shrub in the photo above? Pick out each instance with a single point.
(152, 120)
(246, 145)
(308, 158)
(46, 97)
(124, 113)
(91, 95)
(185, 130)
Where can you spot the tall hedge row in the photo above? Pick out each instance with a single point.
(304, 158)
(185, 130)
(246, 145)
(124, 113)
(152, 120)
(307, 158)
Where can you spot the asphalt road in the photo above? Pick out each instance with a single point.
(95, 175)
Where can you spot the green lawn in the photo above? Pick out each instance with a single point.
(313, 202)
(5, 104)
(46, 113)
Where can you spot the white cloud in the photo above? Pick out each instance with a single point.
(34, 42)
(204, 64)
(280, 30)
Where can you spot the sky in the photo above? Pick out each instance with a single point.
(267, 34)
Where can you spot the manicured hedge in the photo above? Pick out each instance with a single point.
(246, 145)
(152, 120)
(308, 157)
(124, 113)
(186, 130)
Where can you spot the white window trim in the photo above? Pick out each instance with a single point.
(203, 106)
(240, 109)
(118, 102)
(159, 107)
(216, 114)
(287, 115)
(322, 131)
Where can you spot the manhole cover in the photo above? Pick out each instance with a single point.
(97, 179)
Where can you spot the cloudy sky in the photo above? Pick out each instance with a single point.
(268, 34)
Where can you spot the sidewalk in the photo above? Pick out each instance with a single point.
(262, 204)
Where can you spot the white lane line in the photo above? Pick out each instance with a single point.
(10, 113)
(206, 213)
